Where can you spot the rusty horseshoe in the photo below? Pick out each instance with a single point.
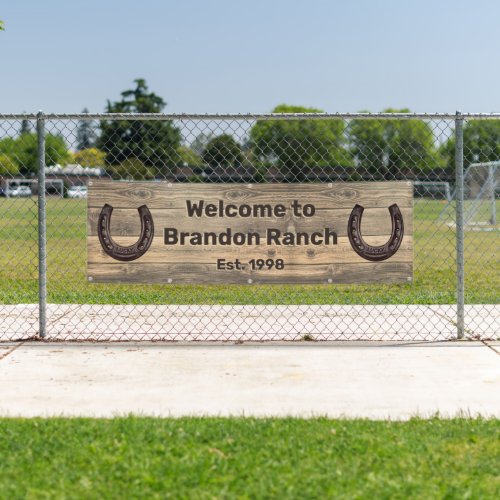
(375, 253)
(120, 252)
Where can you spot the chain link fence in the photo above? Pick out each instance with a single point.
(48, 161)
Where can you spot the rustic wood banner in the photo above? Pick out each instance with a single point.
(160, 232)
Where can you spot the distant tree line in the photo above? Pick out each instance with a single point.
(297, 150)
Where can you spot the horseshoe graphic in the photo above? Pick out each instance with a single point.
(131, 252)
(370, 252)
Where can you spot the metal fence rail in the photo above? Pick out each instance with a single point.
(44, 291)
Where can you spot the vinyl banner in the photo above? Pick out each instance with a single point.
(161, 232)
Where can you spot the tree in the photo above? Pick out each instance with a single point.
(132, 169)
(189, 157)
(200, 142)
(25, 127)
(481, 144)
(86, 134)
(223, 151)
(153, 143)
(23, 150)
(7, 165)
(369, 144)
(297, 146)
(91, 157)
(2, 26)
(388, 149)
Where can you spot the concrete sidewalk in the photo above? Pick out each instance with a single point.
(394, 381)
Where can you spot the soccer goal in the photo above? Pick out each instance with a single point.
(436, 190)
(481, 197)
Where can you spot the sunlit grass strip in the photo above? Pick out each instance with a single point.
(249, 458)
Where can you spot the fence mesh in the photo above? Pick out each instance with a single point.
(243, 149)
(481, 200)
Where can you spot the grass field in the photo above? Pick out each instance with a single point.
(434, 267)
(249, 458)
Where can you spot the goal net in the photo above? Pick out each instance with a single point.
(436, 190)
(481, 197)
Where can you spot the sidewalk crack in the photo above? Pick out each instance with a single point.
(10, 351)
(467, 331)
(493, 348)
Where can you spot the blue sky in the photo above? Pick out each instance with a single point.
(241, 56)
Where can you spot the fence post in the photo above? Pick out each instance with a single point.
(42, 229)
(459, 199)
(491, 175)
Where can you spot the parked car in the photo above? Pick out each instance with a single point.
(77, 192)
(19, 191)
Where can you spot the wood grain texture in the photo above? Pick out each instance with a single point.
(137, 272)
(303, 263)
(173, 195)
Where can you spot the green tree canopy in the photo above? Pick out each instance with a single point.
(132, 169)
(23, 150)
(200, 142)
(7, 165)
(91, 157)
(295, 146)
(189, 157)
(388, 148)
(223, 151)
(153, 143)
(481, 143)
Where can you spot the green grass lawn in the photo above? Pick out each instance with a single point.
(249, 458)
(434, 267)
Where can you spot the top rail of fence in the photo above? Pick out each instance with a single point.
(253, 116)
